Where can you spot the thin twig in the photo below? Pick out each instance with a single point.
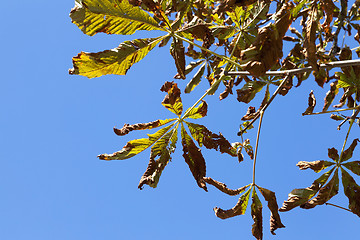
(265, 106)
(345, 63)
(257, 144)
(332, 111)
(338, 206)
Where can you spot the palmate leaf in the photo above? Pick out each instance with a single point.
(115, 61)
(136, 146)
(111, 17)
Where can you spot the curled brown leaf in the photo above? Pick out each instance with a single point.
(317, 166)
(330, 95)
(238, 209)
(311, 104)
(222, 187)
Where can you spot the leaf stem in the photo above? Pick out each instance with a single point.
(338, 206)
(332, 111)
(256, 147)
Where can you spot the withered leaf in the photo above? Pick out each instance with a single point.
(249, 90)
(311, 104)
(317, 166)
(177, 51)
(250, 114)
(336, 117)
(210, 140)
(199, 111)
(248, 148)
(256, 213)
(172, 100)
(275, 221)
(347, 154)
(222, 187)
(141, 126)
(352, 191)
(333, 154)
(325, 193)
(330, 95)
(300, 196)
(353, 166)
(238, 209)
(199, 30)
(229, 5)
(196, 79)
(287, 86)
(228, 89)
(194, 159)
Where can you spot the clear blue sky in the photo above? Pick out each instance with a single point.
(53, 125)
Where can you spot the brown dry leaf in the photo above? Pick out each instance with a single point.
(229, 5)
(333, 154)
(343, 98)
(250, 114)
(238, 209)
(329, 7)
(347, 154)
(141, 126)
(275, 221)
(287, 86)
(325, 193)
(177, 51)
(330, 95)
(146, 178)
(193, 158)
(256, 213)
(317, 166)
(249, 90)
(228, 89)
(311, 103)
(352, 191)
(172, 100)
(222, 187)
(336, 117)
(199, 30)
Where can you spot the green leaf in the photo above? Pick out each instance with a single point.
(162, 149)
(196, 79)
(115, 61)
(172, 100)
(325, 193)
(317, 166)
(210, 140)
(141, 126)
(238, 209)
(353, 166)
(136, 146)
(256, 213)
(198, 112)
(347, 154)
(300, 196)
(352, 191)
(249, 90)
(111, 17)
(193, 158)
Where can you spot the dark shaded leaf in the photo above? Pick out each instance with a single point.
(115, 61)
(325, 193)
(177, 51)
(352, 191)
(189, 68)
(238, 209)
(223, 188)
(198, 112)
(287, 86)
(353, 166)
(249, 90)
(228, 89)
(210, 140)
(194, 159)
(333, 154)
(275, 221)
(256, 213)
(330, 95)
(347, 154)
(317, 166)
(172, 100)
(196, 79)
(200, 31)
(311, 104)
(250, 114)
(300, 196)
(141, 126)
(336, 117)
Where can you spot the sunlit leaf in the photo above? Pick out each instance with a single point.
(172, 100)
(249, 90)
(198, 112)
(115, 61)
(136, 146)
(275, 221)
(256, 213)
(141, 126)
(210, 140)
(352, 191)
(196, 79)
(111, 17)
(353, 166)
(238, 209)
(317, 166)
(325, 193)
(194, 158)
(347, 154)
(298, 197)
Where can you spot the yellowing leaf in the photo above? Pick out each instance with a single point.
(172, 100)
(115, 61)
(196, 79)
(136, 146)
(238, 209)
(141, 126)
(317, 166)
(111, 17)
(256, 213)
(198, 112)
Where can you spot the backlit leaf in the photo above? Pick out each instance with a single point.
(222, 187)
(194, 159)
(333, 154)
(249, 90)
(136, 146)
(256, 213)
(111, 17)
(198, 112)
(275, 221)
(141, 126)
(189, 68)
(317, 166)
(311, 103)
(325, 193)
(238, 209)
(210, 140)
(115, 61)
(330, 95)
(177, 51)
(196, 79)
(172, 100)
(353, 166)
(347, 154)
(352, 191)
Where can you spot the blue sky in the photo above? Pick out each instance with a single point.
(53, 125)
